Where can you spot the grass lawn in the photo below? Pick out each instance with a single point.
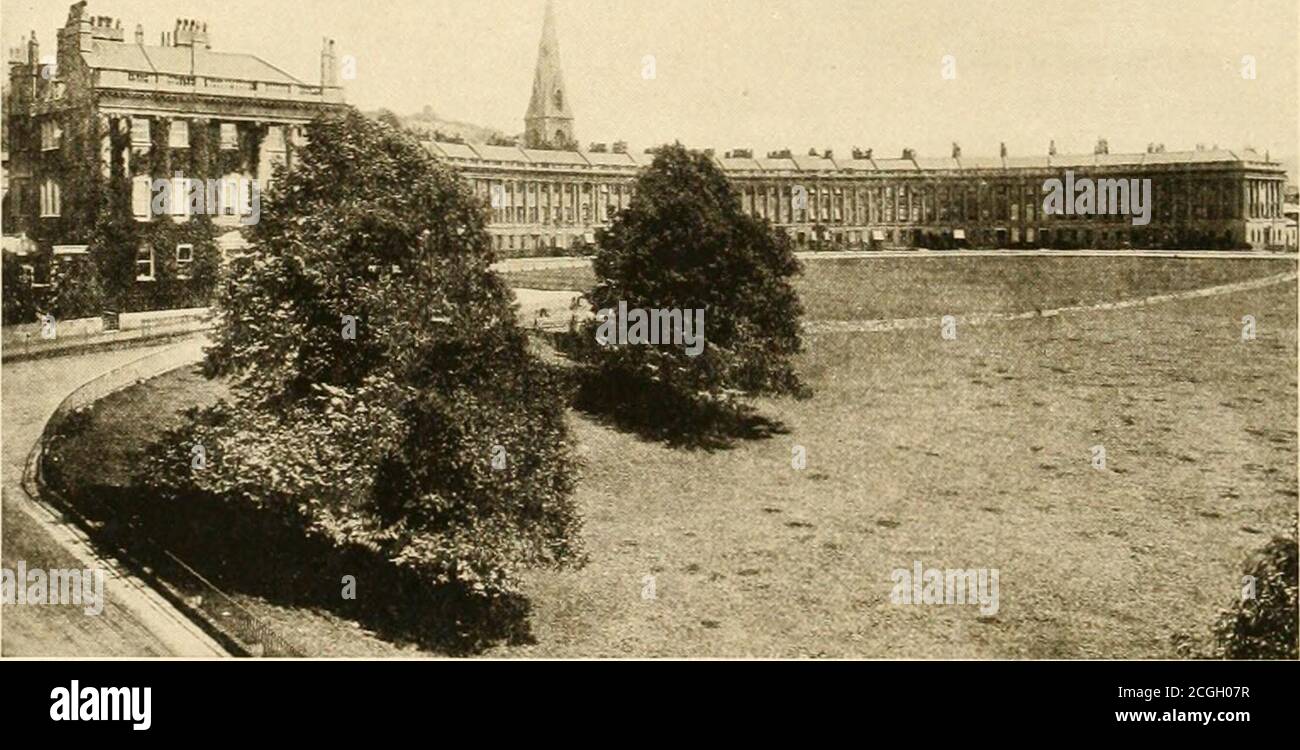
(928, 285)
(973, 453)
(553, 279)
(874, 289)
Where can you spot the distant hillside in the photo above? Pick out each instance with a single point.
(429, 123)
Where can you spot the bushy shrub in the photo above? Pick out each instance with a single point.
(18, 297)
(1263, 626)
(385, 398)
(75, 289)
(684, 243)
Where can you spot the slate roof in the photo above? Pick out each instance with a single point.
(141, 58)
(819, 165)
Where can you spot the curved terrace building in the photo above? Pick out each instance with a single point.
(545, 200)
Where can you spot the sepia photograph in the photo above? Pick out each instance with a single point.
(763, 330)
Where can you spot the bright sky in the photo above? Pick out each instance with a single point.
(769, 74)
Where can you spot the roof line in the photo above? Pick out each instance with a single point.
(272, 66)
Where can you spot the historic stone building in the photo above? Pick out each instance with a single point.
(99, 123)
(545, 200)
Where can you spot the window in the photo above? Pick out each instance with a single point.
(229, 136)
(51, 135)
(144, 264)
(141, 197)
(51, 200)
(234, 195)
(16, 193)
(184, 259)
(141, 135)
(180, 197)
(179, 134)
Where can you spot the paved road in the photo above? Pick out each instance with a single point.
(135, 621)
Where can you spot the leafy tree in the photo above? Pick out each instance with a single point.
(684, 243)
(385, 397)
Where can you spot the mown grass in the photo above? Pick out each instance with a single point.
(879, 288)
(872, 289)
(973, 453)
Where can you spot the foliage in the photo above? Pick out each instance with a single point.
(75, 289)
(17, 296)
(684, 243)
(384, 439)
(1263, 626)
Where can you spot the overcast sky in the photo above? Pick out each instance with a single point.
(769, 74)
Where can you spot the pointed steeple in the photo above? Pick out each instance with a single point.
(549, 122)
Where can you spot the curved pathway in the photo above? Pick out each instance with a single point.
(135, 621)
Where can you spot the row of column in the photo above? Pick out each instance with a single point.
(553, 202)
(1263, 199)
(567, 202)
(913, 202)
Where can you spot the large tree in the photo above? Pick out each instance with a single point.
(385, 396)
(684, 243)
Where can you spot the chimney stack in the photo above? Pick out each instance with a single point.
(1051, 148)
(956, 150)
(190, 33)
(139, 34)
(1004, 149)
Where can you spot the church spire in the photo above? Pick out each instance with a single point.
(549, 122)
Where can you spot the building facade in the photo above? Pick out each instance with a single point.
(99, 124)
(545, 201)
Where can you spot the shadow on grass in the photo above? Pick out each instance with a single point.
(256, 553)
(654, 412)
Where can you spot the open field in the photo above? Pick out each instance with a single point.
(926, 285)
(973, 453)
(967, 453)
